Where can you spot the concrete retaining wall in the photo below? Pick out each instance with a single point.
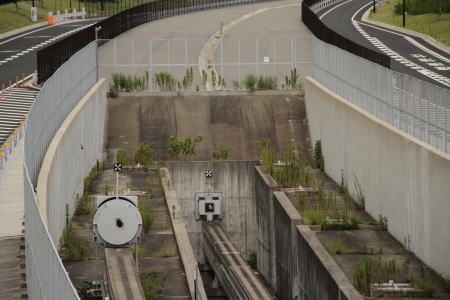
(73, 151)
(402, 178)
(286, 219)
(235, 180)
(319, 275)
(265, 185)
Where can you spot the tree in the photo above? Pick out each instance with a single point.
(144, 155)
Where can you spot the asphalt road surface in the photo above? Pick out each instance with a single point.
(409, 54)
(18, 52)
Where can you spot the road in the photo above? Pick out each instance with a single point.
(409, 54)
(18, 52)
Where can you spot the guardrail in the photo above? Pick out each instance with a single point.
(50, 58)
(324, 33)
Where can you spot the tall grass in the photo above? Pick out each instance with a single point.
(128, 83)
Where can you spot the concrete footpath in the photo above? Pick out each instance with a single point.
(11, 194)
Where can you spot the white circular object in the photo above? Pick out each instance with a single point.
(118, 222)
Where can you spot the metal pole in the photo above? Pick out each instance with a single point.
(117, 185)
(374, 6)
(404, 13)
(137, 260)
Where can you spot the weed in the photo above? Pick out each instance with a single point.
(128, 83)
(427, 287)
(121, 156)
(221, 152)
(147, 214)
(152, 284)
(148, 183)
(301, 201)
(72, 246)
(382, 223)
(315, 217)
(236, 85)
(359, 197)
(141, 251)
(266, 83)
(167, 250)
(318, 156)
(336, 246)
(252, 259)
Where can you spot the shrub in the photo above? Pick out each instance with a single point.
(186, 146)
(148, 183)
(144, 155)
(72, 247)
(315, 217)
(252, 259)
(250, 81)
(121, 156)
(152, 284)
(235, 84)
(382, 223)
(148, 216)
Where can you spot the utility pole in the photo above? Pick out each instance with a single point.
(404, 13)
(374, 6)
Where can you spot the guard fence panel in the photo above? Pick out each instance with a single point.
(52, 56)
(418, 108)
(234, 58)
(324, 33)
(46, 276)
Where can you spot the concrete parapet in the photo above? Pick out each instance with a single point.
(181, 235)
(265, 185)
(402, 178)
(73, 151)
(319, 275)
(286, 219)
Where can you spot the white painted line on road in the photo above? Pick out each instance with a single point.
(333, 9)
(37, 36)
(429, 51)
(9, 51)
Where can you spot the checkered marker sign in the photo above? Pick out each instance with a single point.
(208, 173)
(117, 167)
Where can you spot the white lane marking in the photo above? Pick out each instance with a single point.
(45, 27)
(9, 51)
(378, 44)
(45, 43)
(37, 36)
(333, 9)
(429, 51)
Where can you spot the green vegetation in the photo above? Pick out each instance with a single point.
(141, 251)
(147, 214)
(121, 156)
(148, 183)
(319, 160)
(249, 82)
(221, 152)
(152, 284)
(84, 202)
(165, 81)
(127, 83)
(186, 147)
(72, 246)
(144, 155)
(289, 168)
(359, 197)
(167, 250)
(252, 259)
(292, 81)
(372, 270)
(336, 246)
(382, 223)
(422, 17)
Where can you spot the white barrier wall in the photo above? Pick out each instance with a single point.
(74, 149)
(402, 178)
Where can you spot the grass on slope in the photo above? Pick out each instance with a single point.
(424, 23)
(11, 19)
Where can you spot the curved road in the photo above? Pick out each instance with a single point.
(409, 54)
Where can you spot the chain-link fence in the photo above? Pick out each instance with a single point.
(46, 276)
(416, 107)
(233, 59)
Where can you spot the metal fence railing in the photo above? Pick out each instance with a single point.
(326, 34)
(46, 276)
(234, 59)
(51, 57)
(418, 108)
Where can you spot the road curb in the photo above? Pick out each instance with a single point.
(20, 30)
(427, 38)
